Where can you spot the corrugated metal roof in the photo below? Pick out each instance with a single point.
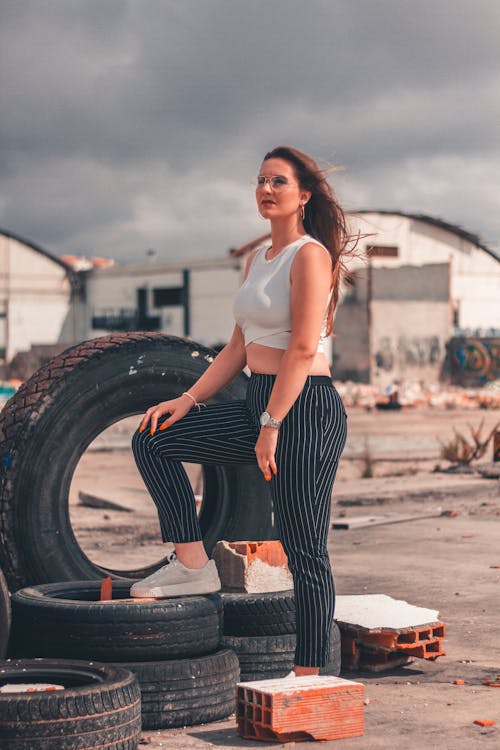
(436, 222)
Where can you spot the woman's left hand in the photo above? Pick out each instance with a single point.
(265, 449)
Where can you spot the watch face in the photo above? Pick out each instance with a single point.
(264, 418)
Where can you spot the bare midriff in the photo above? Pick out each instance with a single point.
(266, 359)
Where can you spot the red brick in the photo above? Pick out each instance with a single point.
(270, 552)
(303, 708)
(252, 566)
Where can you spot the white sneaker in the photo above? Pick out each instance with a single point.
(174, 579)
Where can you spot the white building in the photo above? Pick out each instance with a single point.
(425, 303)
(418, 282)
(402, 239)
(184, 298)
(39, 295)
(421, 282)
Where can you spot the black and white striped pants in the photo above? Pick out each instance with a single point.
(310, 441)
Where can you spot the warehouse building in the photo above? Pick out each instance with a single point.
(418, 284)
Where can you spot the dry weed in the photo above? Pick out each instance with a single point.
(459, 450)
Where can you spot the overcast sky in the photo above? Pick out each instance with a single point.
(136, 124)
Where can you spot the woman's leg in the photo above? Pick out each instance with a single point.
(311, 440)
(217, 434)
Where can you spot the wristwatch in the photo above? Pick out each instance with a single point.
(266, 420)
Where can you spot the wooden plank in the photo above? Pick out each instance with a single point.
(360, 522)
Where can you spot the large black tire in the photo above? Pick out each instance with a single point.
(68, 620)
(47, 425)
(187, 691)
(266, 657)
(5, 615)
(100, 707)
(271, 613)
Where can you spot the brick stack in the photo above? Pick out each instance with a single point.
(303, 708)
(377, 633)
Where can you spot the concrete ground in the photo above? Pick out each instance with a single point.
(448, 563)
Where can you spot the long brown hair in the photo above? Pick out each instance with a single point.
(324, 218)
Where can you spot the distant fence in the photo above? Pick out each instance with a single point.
(473, 360)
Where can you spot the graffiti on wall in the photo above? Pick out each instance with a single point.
(474, 360)
(407, 352)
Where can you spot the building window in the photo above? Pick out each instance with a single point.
(382, 251)
(168, 296)
(115, 320)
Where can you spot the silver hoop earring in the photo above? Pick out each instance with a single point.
(302, 212)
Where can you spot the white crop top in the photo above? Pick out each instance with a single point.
(261, 306)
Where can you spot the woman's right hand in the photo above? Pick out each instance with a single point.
(176, 407)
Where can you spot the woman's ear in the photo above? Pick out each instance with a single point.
(305, 196)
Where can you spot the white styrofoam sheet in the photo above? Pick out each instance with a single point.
(381, 612)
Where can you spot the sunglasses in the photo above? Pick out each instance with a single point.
(276, 182)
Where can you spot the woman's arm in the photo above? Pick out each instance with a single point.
(224, 368)
(228, 363)
(311, 277)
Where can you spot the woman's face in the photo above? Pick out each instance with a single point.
(278, 192)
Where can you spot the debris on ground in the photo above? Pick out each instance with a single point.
(416, 394)
(96, 501)
(379, 632)
(489, 471)
(492, 683)
(360, 522)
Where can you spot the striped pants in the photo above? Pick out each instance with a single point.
(310, 442)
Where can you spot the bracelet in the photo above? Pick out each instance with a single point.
(195, 402)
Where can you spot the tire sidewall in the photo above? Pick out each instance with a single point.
(69, 620)
(5, 615)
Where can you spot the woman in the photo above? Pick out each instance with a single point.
(292, 422)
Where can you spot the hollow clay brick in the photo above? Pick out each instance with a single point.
(302, 708)
(252, 567)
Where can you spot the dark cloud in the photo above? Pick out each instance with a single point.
(140, 123)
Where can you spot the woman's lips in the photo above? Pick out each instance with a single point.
(267, 203)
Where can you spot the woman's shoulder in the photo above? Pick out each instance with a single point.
(307, 248)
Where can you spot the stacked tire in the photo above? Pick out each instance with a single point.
(261, 629)
(99, 706)
(171, 645)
